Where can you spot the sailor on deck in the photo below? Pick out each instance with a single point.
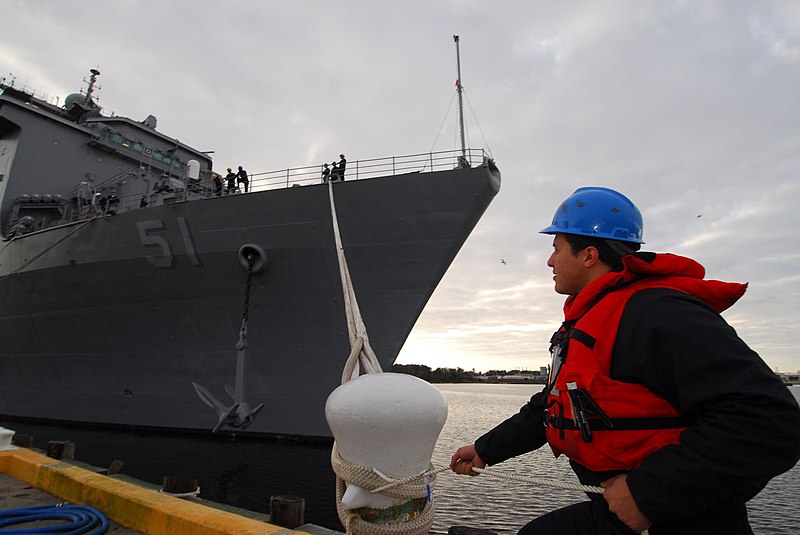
(341, 167)
(216, 180)
(231, 179)
(241, 178)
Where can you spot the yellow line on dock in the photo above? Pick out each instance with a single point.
(129, 505)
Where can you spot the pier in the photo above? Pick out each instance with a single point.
(29, 478)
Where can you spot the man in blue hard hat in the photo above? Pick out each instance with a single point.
(651, 394)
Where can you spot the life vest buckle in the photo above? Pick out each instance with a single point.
(555, 419)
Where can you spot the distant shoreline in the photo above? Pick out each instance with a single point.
(459, 375)
(514, 377)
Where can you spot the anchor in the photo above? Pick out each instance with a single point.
(239, 415)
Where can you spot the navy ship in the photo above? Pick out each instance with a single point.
(133, 295)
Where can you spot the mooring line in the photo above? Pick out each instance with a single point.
(493, 473)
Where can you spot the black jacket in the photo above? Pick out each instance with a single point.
(747, 427)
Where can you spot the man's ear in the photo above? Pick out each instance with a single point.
(591, 256)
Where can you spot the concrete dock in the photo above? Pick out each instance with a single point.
(29, 478)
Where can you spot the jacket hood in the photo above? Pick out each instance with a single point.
(682, 273)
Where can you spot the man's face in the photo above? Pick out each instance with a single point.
(569, 273)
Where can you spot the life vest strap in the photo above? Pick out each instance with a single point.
(623, 424)
(583, 337)
(568, 330)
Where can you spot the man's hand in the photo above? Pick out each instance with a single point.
(621, 503)
(464, 459)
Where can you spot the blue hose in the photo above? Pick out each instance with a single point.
(80, 520)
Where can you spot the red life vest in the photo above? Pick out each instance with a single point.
(593, 419)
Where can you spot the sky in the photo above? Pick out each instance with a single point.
(688, 108)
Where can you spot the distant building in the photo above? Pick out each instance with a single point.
(790, 378)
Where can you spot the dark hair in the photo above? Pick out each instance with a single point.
(608, 249)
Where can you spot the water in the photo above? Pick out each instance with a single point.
(245, 473)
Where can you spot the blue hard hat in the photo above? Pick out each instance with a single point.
(598, 212)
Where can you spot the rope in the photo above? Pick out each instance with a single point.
(428, 475)
(475, 118)
(368, 477)
(361, 354)
(539, 481)
(193, 494)
(372, 479)
(361, 351)
(405, 489)
(441, 127)
(36, 257)
(80, 519)
(492, 473)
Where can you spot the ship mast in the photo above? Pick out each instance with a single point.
(463, 160)
(92, 81)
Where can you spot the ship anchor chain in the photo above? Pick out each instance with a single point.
(239, 415)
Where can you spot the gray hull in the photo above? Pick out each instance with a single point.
(119, 316)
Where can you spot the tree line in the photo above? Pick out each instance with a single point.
(459, 375)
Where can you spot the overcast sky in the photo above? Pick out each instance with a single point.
(689, 108)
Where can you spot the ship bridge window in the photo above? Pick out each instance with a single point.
(138, 147)
(117, 138)
(158, 156)
(177, 163)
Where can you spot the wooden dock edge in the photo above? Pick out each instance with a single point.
(127, 504)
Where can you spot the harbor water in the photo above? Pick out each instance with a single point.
(246, 472)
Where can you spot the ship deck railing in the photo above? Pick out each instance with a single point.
(26, 92)
(270, 180)
(364, 169)
(311, 174)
